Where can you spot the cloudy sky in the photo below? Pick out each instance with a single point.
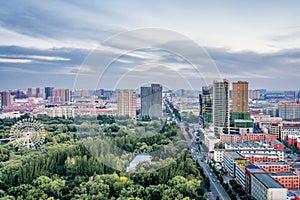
(125, 44)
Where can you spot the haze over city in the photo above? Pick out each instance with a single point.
(46, 43)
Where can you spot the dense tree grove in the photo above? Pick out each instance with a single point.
(78, 161)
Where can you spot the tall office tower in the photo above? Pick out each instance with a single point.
(289, 111)
(207, 105)
(48, 91)
(60, 95)
(221, 106)
(6, 99)
(31, 92)
(240, 97)
(127, 103)
(151, 100)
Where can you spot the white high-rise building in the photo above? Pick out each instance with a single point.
(127, 103)
(221, 107)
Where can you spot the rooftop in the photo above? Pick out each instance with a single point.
(243, 120)
(249, 144)
(267, 181)
(261, 155)
(270, 163)
(243, 163)
(255, 169)
(275, 142)
(295, 192)
(283, 174)
(137, 159)
(233, 154)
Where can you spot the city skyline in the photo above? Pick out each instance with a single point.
(42, 46)
(137, 89)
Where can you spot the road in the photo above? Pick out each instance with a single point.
(216, 188)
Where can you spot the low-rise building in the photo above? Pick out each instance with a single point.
(264, 187)
(210, 141)
(253, 137)
(254, 151)
(218, 155)
(229, 157)
(288, 128)
(256, 157)
(240, 171)
(230, 138)
(61, 112)
(274, 166)
(289, 180)
(257, 148)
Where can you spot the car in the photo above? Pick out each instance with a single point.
(201, 160)
(210, 173)
(214, 180)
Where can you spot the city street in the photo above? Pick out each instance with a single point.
(217, 189)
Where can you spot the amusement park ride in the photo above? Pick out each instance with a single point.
(28, 133)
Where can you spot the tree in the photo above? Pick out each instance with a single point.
(172, 194)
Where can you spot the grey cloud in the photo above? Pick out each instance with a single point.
(57, 20)
(271, 70)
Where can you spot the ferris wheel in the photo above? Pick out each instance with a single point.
(27, 132)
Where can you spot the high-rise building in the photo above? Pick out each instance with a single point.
(6, 99)
(127, 103)
(257, 93)
(151, 100)
(40, 93)
(36, 92)
(48, 91)
(240, 97)
(31, 92)
(59, 95)
(221, 106)
(289, 110)
(206, 105)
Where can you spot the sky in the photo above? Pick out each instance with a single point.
(126, 44)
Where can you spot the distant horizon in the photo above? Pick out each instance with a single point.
(164, 89)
